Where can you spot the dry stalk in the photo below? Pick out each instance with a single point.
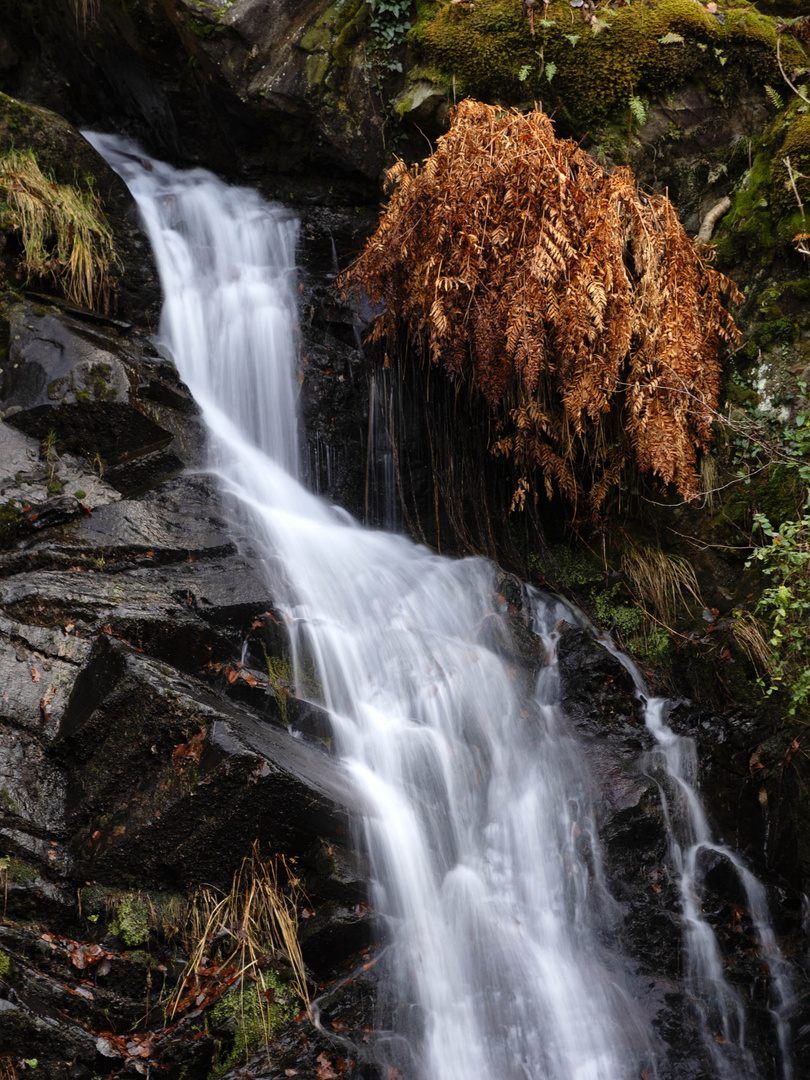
(748, 632)
(237, 935)
(667, 582)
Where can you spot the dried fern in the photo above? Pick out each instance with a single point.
(575, 304)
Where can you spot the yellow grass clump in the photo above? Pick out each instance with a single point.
(63, 232)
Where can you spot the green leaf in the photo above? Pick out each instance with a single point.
(638, 110)
(671, 39)
(573, 38)
(551, 70)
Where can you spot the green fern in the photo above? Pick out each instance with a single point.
(638, 109)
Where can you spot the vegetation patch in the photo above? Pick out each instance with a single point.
(574, 305)
(594, 62)
(131, 922)
(240, 943)
(62, 230)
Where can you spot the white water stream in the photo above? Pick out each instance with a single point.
(476, 791)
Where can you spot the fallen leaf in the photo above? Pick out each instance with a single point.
(35, 675)
(107, 1048)
(325, 1070)
(249, 679)
(46, 700)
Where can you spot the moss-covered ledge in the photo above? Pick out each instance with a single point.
(590, 65)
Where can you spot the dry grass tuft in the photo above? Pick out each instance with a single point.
(240, 937)
(573, 302)
(63, 231)
(749, 635)
(667, 582)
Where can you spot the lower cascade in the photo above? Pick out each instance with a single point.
(505, 956)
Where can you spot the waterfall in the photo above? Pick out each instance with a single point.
(479, 828)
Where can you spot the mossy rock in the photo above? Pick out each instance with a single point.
(12, 524)
(593, 69)
(765, 214)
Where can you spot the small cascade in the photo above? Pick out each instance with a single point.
(486, 865)
(673, 765)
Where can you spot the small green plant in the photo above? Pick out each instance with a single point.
(131, 922)
(785, 559)
(280, 678)
(566, 565)
(259, 1013)
(613, 614)
(390, 23)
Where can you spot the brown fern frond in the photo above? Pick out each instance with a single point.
(573, 303)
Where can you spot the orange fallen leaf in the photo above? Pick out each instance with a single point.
(35, 675)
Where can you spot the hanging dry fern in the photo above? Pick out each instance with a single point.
(573, 302)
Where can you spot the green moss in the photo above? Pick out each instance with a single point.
(17, 871)
(55, 487)
(489, 47)
(12, 524)
(131, 922)
(767, 334)
(765, 214)
(258, 1017)
(350, 34)
(280, 678)
(5, 964)
(9, 803)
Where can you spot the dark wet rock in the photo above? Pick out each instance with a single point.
(255, 84)
(597, 692)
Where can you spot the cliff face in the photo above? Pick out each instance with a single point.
(142, 741)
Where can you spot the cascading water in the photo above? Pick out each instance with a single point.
(478, 800)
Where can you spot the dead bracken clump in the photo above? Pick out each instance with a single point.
(574, 303)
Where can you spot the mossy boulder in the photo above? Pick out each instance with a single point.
(592, 64)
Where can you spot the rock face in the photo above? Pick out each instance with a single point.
(261, 85)
(149, 731)
(145, 741)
